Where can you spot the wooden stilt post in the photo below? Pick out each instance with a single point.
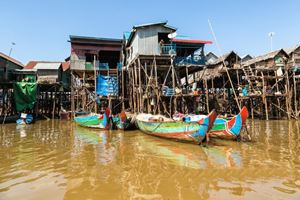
(133, 92)
(287, 95)
(224, 88)
(206, 95)
(123, 85)
(72, 96)
(53, 97)
(140, 88)
(295, 95)
(251, 104)
(95, 82)
(237, 77)
(156, 86)
(173, 85)
(137, 100)
(264, 96)
(146, 91)
(130, 74)
(186, 77)
(278, 100)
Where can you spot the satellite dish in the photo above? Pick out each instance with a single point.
(172, 35)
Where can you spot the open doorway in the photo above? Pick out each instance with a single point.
(110, 57)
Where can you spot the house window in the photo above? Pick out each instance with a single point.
(89, 57)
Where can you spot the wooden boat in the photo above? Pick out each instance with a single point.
(94, 120)
(230, 129)
(187, 131)
(125, 121)
(9, 119)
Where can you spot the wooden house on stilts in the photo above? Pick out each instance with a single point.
(268, 85)
(95, 73)
(216, 82)
(156, 60)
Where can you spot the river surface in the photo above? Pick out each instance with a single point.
(59, 160)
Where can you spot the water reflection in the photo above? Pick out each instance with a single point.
(191, 156)
(79, 163)
(223, 156)
(105, 143)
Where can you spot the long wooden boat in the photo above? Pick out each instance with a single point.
(125, 121)
(94, 120)
(230, 129)
(187, 131)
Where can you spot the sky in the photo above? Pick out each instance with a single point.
(40, 29)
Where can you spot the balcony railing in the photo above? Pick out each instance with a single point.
(83, 65)
(191, 60)
(89, 66)
(169, 49)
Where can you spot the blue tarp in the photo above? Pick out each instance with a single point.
(107, 85)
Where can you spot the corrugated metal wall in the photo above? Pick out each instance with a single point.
(146, 41)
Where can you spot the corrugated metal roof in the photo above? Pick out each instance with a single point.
(267, 56)
(75, 37)
(30, 65)
(164, 23)
(25, 70)
(11, 59)
(290, 50)
(47, 66)
(191, 41)
(224, 57)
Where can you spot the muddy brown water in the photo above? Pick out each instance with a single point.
(59, 160)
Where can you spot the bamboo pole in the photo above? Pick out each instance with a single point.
(224, 65)
(283, 110)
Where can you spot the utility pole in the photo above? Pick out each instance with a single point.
(271, 34)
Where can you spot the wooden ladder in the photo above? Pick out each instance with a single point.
(250, 76)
